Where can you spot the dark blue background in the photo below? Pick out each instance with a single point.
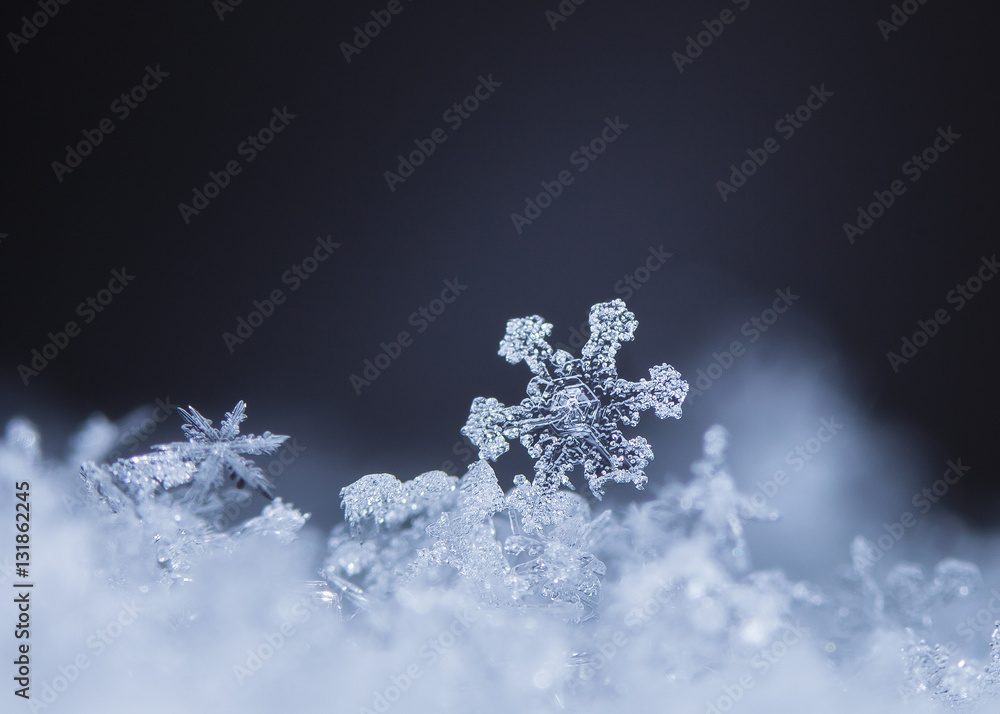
(654, 186)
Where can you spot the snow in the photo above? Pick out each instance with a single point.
(489, 592)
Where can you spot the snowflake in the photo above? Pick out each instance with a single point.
(574, 405)
(200, 463)
(218, 451)
(174, 495)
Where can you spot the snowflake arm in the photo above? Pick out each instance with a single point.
(664, 392)
(611, 323)
(485, 427)
(525, 340)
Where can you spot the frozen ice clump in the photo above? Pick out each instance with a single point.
(176, 498)
(440, 532)
(384, 502)
(934, 673)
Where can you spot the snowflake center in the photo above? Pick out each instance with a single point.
(573, 405)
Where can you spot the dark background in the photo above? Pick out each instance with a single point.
(655, 186)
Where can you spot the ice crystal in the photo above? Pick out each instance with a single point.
(278, 520)
(906, 599)
(388, 502)
(933, 672)
(440, 531)
(524, 600)
(574, 406)
(217, 452)
(175, 497)
(201, 464)
(550, 549)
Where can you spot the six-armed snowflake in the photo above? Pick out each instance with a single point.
(574, 406)
(201, 463)
(218, 451)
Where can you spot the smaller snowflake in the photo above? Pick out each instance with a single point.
(574, 406)
(201, 464)
(217, 452)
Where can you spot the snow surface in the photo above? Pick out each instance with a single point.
(487, 593)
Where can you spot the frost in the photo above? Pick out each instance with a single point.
(201, 464)
(550, 550)
(574, 407)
